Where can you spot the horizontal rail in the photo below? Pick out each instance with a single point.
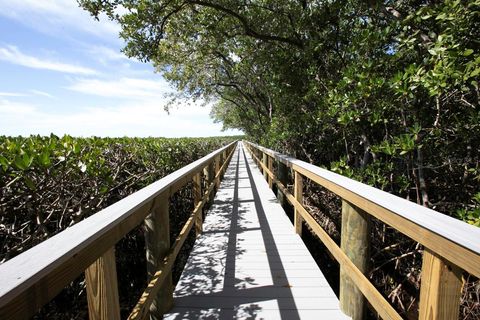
(450, 243)
(451, 238)
(140, 311)
(379, 303)
(34, 277)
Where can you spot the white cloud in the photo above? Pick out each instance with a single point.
(11, 94)
(124, 87)
(134, 120)
(105, 54)
(42, 93)
(15, 109)
(13, 55)
(57, 17)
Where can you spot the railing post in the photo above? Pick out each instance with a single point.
(298, 193)
(157, 243)
(224, 158)
(209, 176)
(217, 170)
(282, 176)
(441, 288)
(356, 245)
(264, 161)
(270, 167)
(102, 288)
(197, 197)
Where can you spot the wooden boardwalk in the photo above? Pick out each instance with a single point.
(249, 263)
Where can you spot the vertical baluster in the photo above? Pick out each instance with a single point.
(298, 193)
(355, 243)
(441, 288)
(102, 288)
(270, 167)
(265, 163)
(217, 170)
(197, 197)
(282, 176)
(208, 171)
(157, 243)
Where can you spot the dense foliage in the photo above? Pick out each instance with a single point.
(385, 92)
(49, 183)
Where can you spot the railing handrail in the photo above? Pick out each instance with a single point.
(60, 257)
(449, 244)
(454, 230)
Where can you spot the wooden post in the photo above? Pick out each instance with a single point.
(157, 243)
(265, 163)
(217, 170)
(270, 167)
(197, 197)
(298, 193)
(224, 158)
(441, 288)
(356, 245)
(282, 176)
(102, 288)
(209, 175)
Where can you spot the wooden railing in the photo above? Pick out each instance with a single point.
(33, 278)
(450, 245)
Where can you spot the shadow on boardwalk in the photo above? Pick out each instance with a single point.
(235, 270)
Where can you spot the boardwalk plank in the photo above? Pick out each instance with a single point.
(248, 262)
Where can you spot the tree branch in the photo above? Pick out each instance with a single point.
(249, 31)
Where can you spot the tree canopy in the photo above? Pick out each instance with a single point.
(383, 91)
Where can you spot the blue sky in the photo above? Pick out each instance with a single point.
(62, 72)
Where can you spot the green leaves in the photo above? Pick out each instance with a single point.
(24, 161)
(472, 214)
(4, 163)
(44, 159)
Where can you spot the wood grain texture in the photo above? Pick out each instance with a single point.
(298, 193)
(197, 197)
(355, 243)
(450, 238)
(102, 288)
(441, 288)
(157, 244)
(34, 277)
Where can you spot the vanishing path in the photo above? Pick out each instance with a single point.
(248, 263)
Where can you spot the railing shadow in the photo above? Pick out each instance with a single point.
(210, 287)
